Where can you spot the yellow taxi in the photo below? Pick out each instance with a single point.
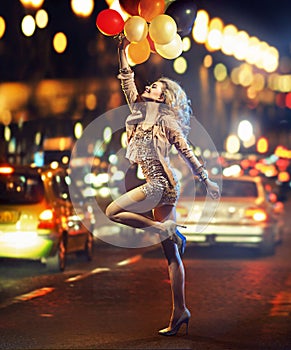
(37, 218)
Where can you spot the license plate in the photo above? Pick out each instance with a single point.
(8, 217)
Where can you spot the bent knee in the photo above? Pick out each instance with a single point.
(110, 212)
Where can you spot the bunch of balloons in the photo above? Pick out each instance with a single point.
(152, 26)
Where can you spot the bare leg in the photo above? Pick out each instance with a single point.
(175, 267)
(129, 208)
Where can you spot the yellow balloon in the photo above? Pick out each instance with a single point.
(162, 29)
(171, 50)
(135, 29)
(139, 52)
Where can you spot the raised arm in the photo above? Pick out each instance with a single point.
(126, 75)
(122, 59)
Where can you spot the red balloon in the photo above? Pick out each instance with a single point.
(130, 6)
(109, 22)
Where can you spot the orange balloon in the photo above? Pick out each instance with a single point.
(149, 9)
(139, 52)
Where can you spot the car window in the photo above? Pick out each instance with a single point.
(21, 189)
(233, 188)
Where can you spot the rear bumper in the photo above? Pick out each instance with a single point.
(246, 235)
(25, 245)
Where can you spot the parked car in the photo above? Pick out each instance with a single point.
(244, 215)
(37, 218)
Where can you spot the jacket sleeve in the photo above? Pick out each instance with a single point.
(129, 88)
(176, 137)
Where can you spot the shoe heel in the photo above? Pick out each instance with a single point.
(187, 324)
(183, 226)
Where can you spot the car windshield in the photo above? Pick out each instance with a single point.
(233, 188)
(21, 189)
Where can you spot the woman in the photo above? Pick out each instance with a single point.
(160, 118)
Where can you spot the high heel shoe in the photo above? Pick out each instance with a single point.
(175, 235)
(173, 330)
(181, 242)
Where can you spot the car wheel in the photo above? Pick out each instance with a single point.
(89, 247)
(58, 261)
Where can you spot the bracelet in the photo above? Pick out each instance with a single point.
(125, 70)
(203, 175)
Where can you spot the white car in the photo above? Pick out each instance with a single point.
(244, 215)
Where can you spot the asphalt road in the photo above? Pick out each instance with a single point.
(121, 299)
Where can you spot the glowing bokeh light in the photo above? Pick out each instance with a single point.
(262, 145)
(228, 39)
(180, 65)
(220, 72)
(241, 45)
(207, 61)
(232, 144)
(78, 130)
(82, 8)
(107, 134)
(41, 18)
(32, 3)
(28, 25)
(186, 43)
(245, 130)
(200, 28)
(60, 42)
(2, 27)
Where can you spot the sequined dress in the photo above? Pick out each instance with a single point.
(157, 186)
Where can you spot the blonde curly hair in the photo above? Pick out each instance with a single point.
(176, 98)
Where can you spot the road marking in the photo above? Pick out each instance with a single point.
(282, 301)
(281, 304)
(129, 261)
(45, 290)
(34, 294)
(85, 275)
(28, 296)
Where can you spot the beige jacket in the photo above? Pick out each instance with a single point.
(166, 130)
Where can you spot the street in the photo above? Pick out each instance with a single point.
(121, 299)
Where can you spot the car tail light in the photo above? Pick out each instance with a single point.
(46, 219)
(6, 169)
(257, 214)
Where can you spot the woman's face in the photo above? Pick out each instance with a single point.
(154, 92)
